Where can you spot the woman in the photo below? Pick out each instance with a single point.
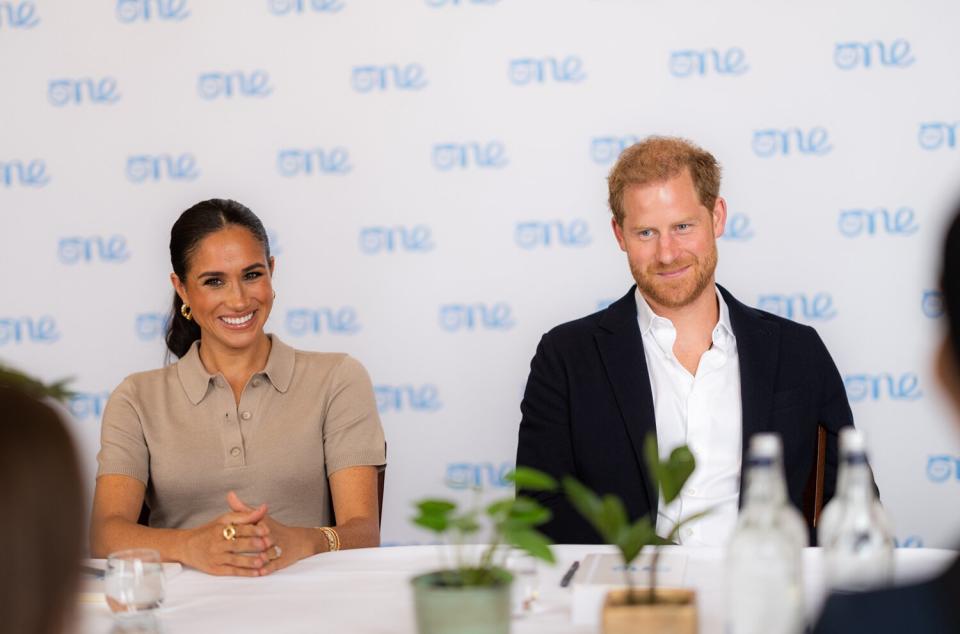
(931, 606)
(41, 495)
(240, 447)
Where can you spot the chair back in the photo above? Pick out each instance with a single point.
(813, 492)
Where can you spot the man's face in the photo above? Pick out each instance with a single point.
(670, 240)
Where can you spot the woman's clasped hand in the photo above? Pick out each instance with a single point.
(239, 542)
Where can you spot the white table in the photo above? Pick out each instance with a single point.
(368, 591)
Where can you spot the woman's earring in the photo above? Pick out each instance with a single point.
(186, 312)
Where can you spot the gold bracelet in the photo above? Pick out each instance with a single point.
(333, 539)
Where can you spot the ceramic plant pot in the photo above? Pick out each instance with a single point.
(443, 607)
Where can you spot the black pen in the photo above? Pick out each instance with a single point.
(568, 576)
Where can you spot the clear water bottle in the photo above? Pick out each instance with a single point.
(854, 529)
(764, 569)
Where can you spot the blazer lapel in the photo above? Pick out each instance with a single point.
(758, 350)
(621, 350)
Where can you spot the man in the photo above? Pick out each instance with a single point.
(677, 356)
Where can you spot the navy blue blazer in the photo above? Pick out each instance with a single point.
(928, 607)
(588, 406)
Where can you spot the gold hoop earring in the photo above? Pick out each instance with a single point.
(186, 311)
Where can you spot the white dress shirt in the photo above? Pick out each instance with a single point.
(702, 411)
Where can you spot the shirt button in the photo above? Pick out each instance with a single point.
(256, 383)
(219, 382)
(235, 452)
(687, 532)
(692, 491)
(246, 416)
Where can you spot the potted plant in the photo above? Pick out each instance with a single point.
(472, 595)
(25, 383)
(653, 609)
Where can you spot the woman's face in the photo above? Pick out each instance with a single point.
(228, 287)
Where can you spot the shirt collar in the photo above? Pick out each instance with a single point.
(650, 322)
(196, 380)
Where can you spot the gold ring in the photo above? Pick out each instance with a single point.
(230, 532)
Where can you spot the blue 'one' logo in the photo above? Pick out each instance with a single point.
(738, 228)
(61, 92)
(686, 63)
(216, 85)
(18, 15)
(910, 541)
(151, 326)
(942, 468)
(799, 306)
(371, 78)
(605, 149)
(88, 405)
(876, 387)
(932, 304)
(536, 233)
(478, 475)
(74, 250)
(399, 398)
(527, 70)
(315, 321)
(934, 135)
(149, 167)
(129, 11)
(456, 317)
(30, 174)
(28, 330)
(858, 222)
(296, 162)
(850, 55)
(283, 7)
(447, 156)
(771, 142)
(415, 239)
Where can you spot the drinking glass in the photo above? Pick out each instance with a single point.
(526, 582)
(134, 581)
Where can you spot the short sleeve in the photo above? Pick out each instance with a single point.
(123, 448)
(352, 433)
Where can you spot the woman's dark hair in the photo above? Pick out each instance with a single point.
(43, 501)
(191, 227)
(950, 284)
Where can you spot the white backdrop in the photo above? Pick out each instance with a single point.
(432, 173)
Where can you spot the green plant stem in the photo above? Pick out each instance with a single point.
(653, 574)
(631, 587)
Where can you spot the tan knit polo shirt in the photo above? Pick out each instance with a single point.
(180, 431)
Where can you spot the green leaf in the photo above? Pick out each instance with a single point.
(613, 519)
(675, 472)
(500, 507)
(527, 520)
(633, 538)
(530, 541)
(436, 507)
(531, 479)
(435, 523)
(522, 504)
(466, 524)
(584, 501)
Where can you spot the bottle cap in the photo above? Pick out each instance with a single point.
(765, 445)
(852, 441)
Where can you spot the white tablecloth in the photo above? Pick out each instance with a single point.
(368, 591)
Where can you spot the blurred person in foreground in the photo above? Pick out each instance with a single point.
(244, 450)
(678, 356)
(932, 606)
(42, 533)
